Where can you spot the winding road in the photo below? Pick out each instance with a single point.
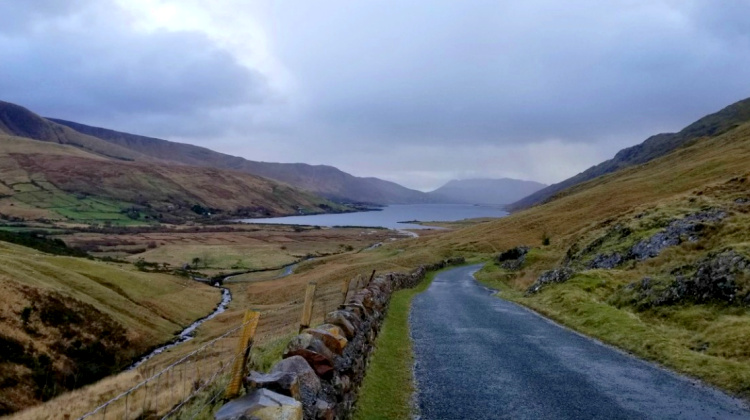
(480, 357)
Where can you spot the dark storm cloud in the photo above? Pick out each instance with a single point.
(87, 64)
(488, 71)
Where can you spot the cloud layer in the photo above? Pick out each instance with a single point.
(415, 92)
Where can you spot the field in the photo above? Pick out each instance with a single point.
(213, 250)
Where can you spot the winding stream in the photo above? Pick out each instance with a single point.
(188, 333)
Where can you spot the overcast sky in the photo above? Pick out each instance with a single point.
(417, 92)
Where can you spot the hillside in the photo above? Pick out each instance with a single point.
(485, 191)
(20, 122)
(40, 180)
(654, 147)
(325, 180)
(68, 321)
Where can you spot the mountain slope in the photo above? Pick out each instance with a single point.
(18, 121)
(40, 180)
(320, 179)
(486, 191)
(654, 147)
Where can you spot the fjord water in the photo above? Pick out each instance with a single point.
(391, 216)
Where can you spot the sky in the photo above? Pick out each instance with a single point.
(416, 92)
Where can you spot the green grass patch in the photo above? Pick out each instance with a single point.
(703, 341)
(388, 387)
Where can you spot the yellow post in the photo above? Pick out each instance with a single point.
(353, 284)
(344, 290)
(250, 323)
(308, 307)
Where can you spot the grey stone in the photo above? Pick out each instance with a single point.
(262, 404)
(286, 383)
(298, 366)
(606, 261)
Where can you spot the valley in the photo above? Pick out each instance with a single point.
(652, 259)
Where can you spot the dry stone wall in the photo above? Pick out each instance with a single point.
(323, 367)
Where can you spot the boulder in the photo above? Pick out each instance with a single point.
(331, 341)
(262, 404)
(286, 383)
(336, 332)
(317, 355)
(347, 321)
(298, 366)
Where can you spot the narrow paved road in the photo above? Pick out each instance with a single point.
(480, 357)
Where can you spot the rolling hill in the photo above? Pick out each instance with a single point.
(324, 180)
(652, 148)
(66, 321)
(485, 191)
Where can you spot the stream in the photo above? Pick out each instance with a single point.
(188, 333)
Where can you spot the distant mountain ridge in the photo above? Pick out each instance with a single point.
(655, 146)
(324, 180)
(485, 190)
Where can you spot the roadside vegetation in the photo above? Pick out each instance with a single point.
(388, 388)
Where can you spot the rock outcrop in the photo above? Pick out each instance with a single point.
(514, 258)
(688, 229)
(560, 275)
(716, 278)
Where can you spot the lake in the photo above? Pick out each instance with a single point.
(390, 216)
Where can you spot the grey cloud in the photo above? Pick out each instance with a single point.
(104, 71)
(501, 72)
(539, 89)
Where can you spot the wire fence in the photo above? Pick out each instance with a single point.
(190, 387)
(166, 392)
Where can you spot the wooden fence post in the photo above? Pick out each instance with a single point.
(308, 306)
(352, 289)
(344, 290)
(372, 276)
(250, 323)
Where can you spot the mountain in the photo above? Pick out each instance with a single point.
(485, 191)
(324, 180)
(18, 121)
(655, 146)
(50, 171)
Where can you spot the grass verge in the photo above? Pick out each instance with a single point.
(697, 340)
(387, 389)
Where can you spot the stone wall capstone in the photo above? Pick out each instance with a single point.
(323, 367)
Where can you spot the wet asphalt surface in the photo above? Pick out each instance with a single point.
(480, 357)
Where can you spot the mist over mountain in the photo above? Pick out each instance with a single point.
(485, 190)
